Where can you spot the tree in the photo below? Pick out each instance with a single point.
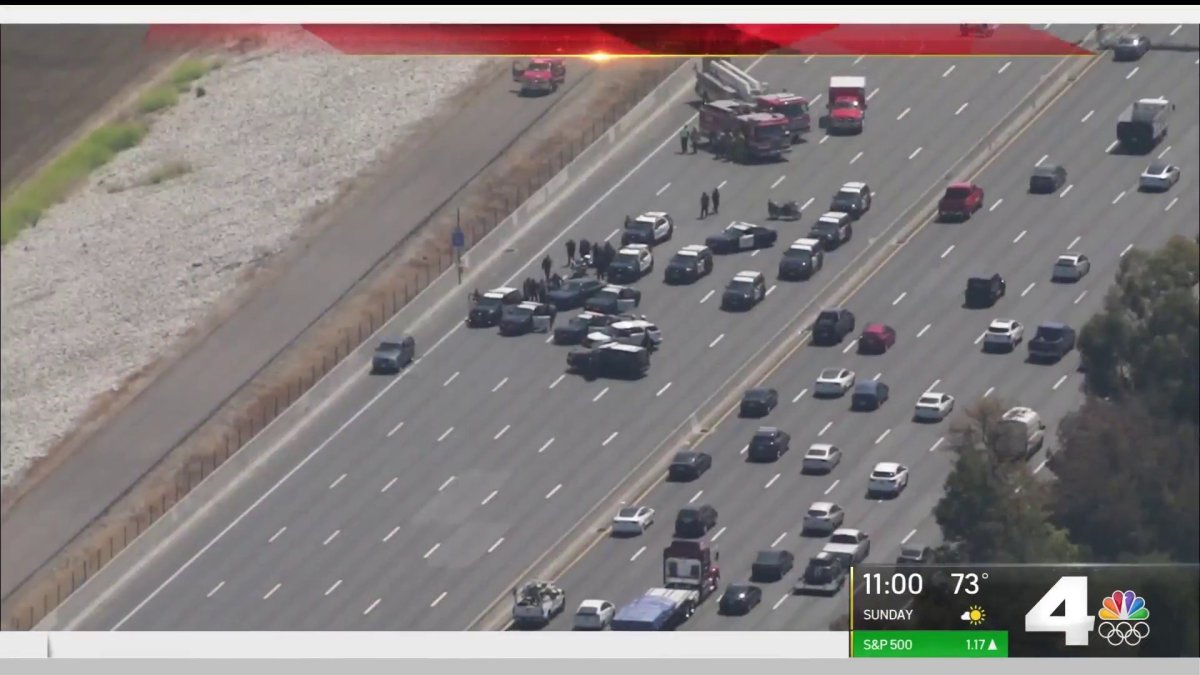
(992, 510)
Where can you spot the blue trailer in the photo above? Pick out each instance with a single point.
(657, 609)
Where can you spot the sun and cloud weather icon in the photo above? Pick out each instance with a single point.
(974, 616)
(1125, 619)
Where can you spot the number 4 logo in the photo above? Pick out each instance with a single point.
(1070, 593)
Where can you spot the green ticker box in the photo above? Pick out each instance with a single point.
(924, 644)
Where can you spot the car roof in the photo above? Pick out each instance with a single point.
(653, 214)
(845, 530)
(932, 395)
(766, 431)
(687, 455)
(759, 391)
(821, 506)
(1003, 322)
(628, 511)
(832, 217)
(1054, 324)
(821, 446)
(613, 288)
(529, 305)
(960, 184)
(875, 328)
(889, 467)
(621, 347)
(772, 554)
(634, 248)
(855, 186)
(749, 277)
(592, 604)
(805, 243)
(631, 323)
(693, 249)
(1157, 167)
(739, 225)
(739, 587)
(832, 372)
(1069, 256)
(866, 387)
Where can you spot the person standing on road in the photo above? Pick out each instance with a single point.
(695, 138)
(703, 205)
(716, 200)
(683, 140)
(585, 249)
(570, 252)
(546, 265)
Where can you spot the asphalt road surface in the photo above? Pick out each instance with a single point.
(920, 294)
(498, 455)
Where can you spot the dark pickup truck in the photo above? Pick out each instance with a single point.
(984, 291)
(1052, 342)
(832, 325)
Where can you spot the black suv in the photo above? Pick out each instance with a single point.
(695, 521)
(833, 229)
(768, 444)
(1047, 179)
(758, 402)
(832, 325)
(801, 263)
(1052, 341)
(772, 565)
(984, 291)
(392, 355)
(688, 265)
(687, 466)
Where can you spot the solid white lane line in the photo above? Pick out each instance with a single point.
(1087, 116)
(331, 537)
(915, 153)
(556, 381)
(714, 342)
(882, 436)
(333, 587)
(961, 108)
(662, 189)
(907, 537)
(981, 336)
(610, 438)
(639, 552)
(445, 434)
(778, 181)
(1066, 190)
(850, 346)
(1080, 298)
(824, 429)
(215, 589)
(778, 539)
(1126, 250)
(947, 251)
(1004, 67)
(1111, 146)
(431, 551)
(996, 204)
(904, 114)
(452, 378)
(501, 432)
(925, 329)
(663, 390)
(1071, 246)
(395, 429)
(1020, 236)
(272, 591)
(831, 487)
(337, 482)
(800, 395)
(1133, 72)
(1172, 203)
(695, 497)
(373, 606)
(771, 482)
(707, 296)
(770, 290)
(500, 384)
(1028, 288)
(276, 535)
(718, 534)
(988, 392)
(1119, 197)
(390, 483)
(1164, 152)
(948, 71)
(937, 444)
(899, 298)
(612, 234)
(857, 157)
(496, 545)
(545, 445)
(489, 498)
(554, 491)
(930, 387)
(438, 599)
(780, 601)
(446, 484)
(810, 201)
(1041, 466)
(1060, 382)
(599, 396)
(1044, 158)
(392, 533)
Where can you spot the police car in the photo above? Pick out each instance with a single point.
(833, 229)
(854, 198)
(614, 300)
(650, 228)
(739, 236)
(744, 291)
(804, 258)
(527, 317)
(689, 264)
(637, 332)
(631, 263)
(487, 311)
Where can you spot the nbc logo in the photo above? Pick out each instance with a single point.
(1125, 619)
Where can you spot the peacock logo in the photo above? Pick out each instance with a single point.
(1125, 617)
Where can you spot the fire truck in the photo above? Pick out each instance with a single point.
(792, 106)
(754, 135)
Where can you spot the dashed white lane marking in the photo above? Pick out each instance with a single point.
(445, 434)
(489, 498)
(1080, 298)
(1004, 67)
(915, 153)
(721, 184)
(545, 445)
(996, 204)
(714, 342)
(599, 396)
(1172, 203)
(755, 253)
(392, 533)
(1044, 158)
(856, 61)
(882, 436)
(1126, 250)
(395, 429)
(452, 378)
(877, 376)
(778, 181)
(493, 547)
(822, 141)
(810, 201)
(1087, 116)
(904, 114)
(215, 589)
(872, 94)
(947, 251)
(371, 607)
(554, 491)
(778, 539)
(937, 444)
(1028, 288)
(808, 58)
(780, 601)
(639, 552)
(501, 432)
(1041, 466)
(899, 298)
(1175, 30)
(334, 587)
(961, 108)
(1020, 236)
(272, 591)
(925, 329)
(549, 339)
(1119, 197)
(988, 392)
(948, 71)
(663, 390)
(501, 383)
(695, 497)
(707, 296)
(1133, 72)
(610, 438)
(390, 483)
(930, 387)
(856, 157)
(718, 534)
(276, 535)
(1065, 191)
(907, 537)
(1164, 152)
(331, 537)
(446, 484)
(981, 336)
(1047, 26)
(800, 395)
(338, 481)
(824, 429)
(831, 487)
(850, 346)
(662, 189)
(431, 551)
(612, 234)
(771, 482)
(744, 449)
(556, 381)
(1111, 146)
(769, 290)
(1071, 246)
(438, 599)
(1017, 491)
(1060, 382)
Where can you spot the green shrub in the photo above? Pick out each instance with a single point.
(157, 99)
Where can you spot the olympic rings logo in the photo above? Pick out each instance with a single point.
(1124, 632)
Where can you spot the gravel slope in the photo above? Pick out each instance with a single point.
(109, 279)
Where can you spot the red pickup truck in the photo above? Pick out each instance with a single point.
(960, 201)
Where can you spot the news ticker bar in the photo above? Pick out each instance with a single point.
(924, 644)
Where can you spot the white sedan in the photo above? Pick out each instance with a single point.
(1003, 334)
(933, 407)
(823, 518)
(633, 520)
(594, 615)
(1071, 267)
(1158, 177)
(821, 458)
(834, 382)
(888, 478)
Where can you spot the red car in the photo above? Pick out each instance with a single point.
(876, 338)
(960, 201)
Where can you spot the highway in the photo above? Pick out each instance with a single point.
(920, 294)
(366, 532)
